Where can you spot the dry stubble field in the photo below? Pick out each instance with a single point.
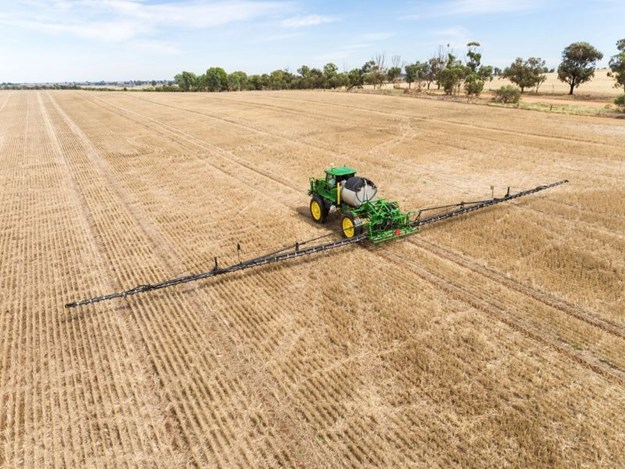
(489, 341)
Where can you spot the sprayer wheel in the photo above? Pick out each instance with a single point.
(318, 210)
(350, 225)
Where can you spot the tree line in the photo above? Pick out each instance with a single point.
(444, 69)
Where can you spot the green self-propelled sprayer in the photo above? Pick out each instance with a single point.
(364, 216)
(362, 211)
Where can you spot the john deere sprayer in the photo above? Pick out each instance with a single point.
(364, 216)
(355, 198)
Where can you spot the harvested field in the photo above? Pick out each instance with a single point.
(494, 340)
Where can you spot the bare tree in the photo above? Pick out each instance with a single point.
(380, 61)
(437, 64)
(378, 72)
(394, 71)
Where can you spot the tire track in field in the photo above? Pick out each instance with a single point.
(594, 212)
(452, 122)
(198, 143)
(158, 244)
(26, 284)
(185, 138)
(402, 116)
(97, 250)
(2, 136)
(486, 305)
(314, 144)
(77, 333)
(151, 232)
(4, 103)
(321, 146)
(440, 142)
(244, 103)
(10, 347)
(543, 297)
(577, 222)
(196, 420)
(147, 327)
(87, 222)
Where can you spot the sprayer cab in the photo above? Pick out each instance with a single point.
(338, 174)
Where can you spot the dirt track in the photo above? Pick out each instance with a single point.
(492, 340)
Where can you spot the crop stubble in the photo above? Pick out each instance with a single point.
(491, 340)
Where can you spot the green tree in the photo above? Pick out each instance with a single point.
(578, 64)
(317, 79)
(276, 80)
(526, 74)
(436, 65)
(476, 73)
(617, 65)
(234, 84)
(216, 79)
(474, 56)
(423, 71)
(237, 81)
(255, 82)
(412, 71)
(451, 77)
(332, 78)
(186, 81)
(355, 78)
(330, 75)
(305, 79)
(340, 80)
(289, 79)
(473, 84)
(394, 71)
(620, 101)
(393, 74)
(375, 71)
(508, 94)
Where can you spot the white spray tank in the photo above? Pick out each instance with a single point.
(357, 190)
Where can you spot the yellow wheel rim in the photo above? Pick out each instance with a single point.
(348, 227)
(315, 210)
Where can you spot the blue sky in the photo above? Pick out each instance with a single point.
(77, 40)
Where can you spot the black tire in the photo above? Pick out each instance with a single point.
(318, 209)
(351, 225)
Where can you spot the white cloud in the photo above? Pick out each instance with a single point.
(308, 20)
(472, 7)
(451, 32)
(160, 47)
(377, 36)
(356, 46)
(122, 20)
(281, 37)
(109, 31)
(481, 7)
